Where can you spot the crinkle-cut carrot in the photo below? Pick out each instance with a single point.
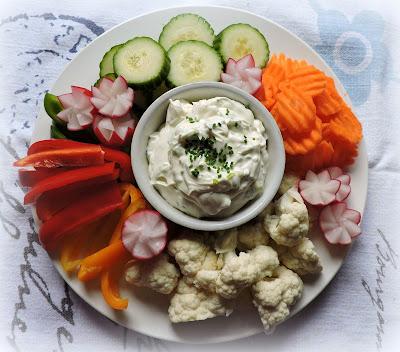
(343, 126)
(300, 145)
(329, 102)
(316, 160)
(309, 79)
(274, 71)
(294, 111)
(344, 154)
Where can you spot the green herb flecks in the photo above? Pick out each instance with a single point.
(190, 119)
(214, 158)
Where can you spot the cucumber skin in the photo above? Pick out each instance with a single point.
(60, 132)
(160, 38)
(218, 40)
(111, 76)
(103, 74)
(56, 133)
(156, 81)
(169, 84)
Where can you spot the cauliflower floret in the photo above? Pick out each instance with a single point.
(159, 274)
(242, 271)
(273, 296)
(302, 258)
(288, 181)
(226, 241)
(190, 303)
(290, 223)
(252, 235)
(190, 251)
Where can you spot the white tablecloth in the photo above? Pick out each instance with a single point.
(360, 309)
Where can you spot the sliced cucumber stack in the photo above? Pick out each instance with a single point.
(238, 40)
(142, 62)
(106, 64)
(186, 26)
(193, 61)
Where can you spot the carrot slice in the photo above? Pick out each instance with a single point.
(294, 112)
(308, 79)
(303, 144)
(329, 102)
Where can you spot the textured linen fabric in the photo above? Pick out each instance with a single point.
(358, 311)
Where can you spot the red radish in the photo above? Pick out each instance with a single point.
(243, 74)
(345, 189)
(113, 98)
(319, 189)
(339, 224)
(114, 132)
(78, 110)
(144, 234)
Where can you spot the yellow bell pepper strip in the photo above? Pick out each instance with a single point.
(89, 208)
(110, 288)
(86, 240)
(87, 155)
(67, 178)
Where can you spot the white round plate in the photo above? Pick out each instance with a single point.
(147, 311)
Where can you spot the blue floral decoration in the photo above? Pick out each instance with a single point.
(354, 50)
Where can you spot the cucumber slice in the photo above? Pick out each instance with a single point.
(53, 106)
(240, 39)
(186, 26)
(142, 62)
(193, 61)
(106, 64)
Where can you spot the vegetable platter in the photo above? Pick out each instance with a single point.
(86, 200)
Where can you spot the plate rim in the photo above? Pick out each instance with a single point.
(362, 148)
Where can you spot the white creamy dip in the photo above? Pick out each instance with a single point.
(209, 158)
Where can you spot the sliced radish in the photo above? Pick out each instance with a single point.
(78, 110)
(113, 98)
(114, 132)
(319, 189)
(144, 234)
(339, 224)
(243, 74)
(344, 189)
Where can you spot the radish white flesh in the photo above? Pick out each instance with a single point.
(113, 98)
(243, 74)
(144, 234)
(344, 189)
(319, 189)
(77, 109)
(339, 224)
(114, 132)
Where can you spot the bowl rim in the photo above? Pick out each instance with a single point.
(244, 214)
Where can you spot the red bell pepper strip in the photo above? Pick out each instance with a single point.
(54, 144)
(92, 206)
(51, 202)
(68, 178)
(84, 156)
(29, 178)
(123, 160)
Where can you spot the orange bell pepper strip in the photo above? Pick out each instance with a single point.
(115, 253)
(110, 288)
(93, 265)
